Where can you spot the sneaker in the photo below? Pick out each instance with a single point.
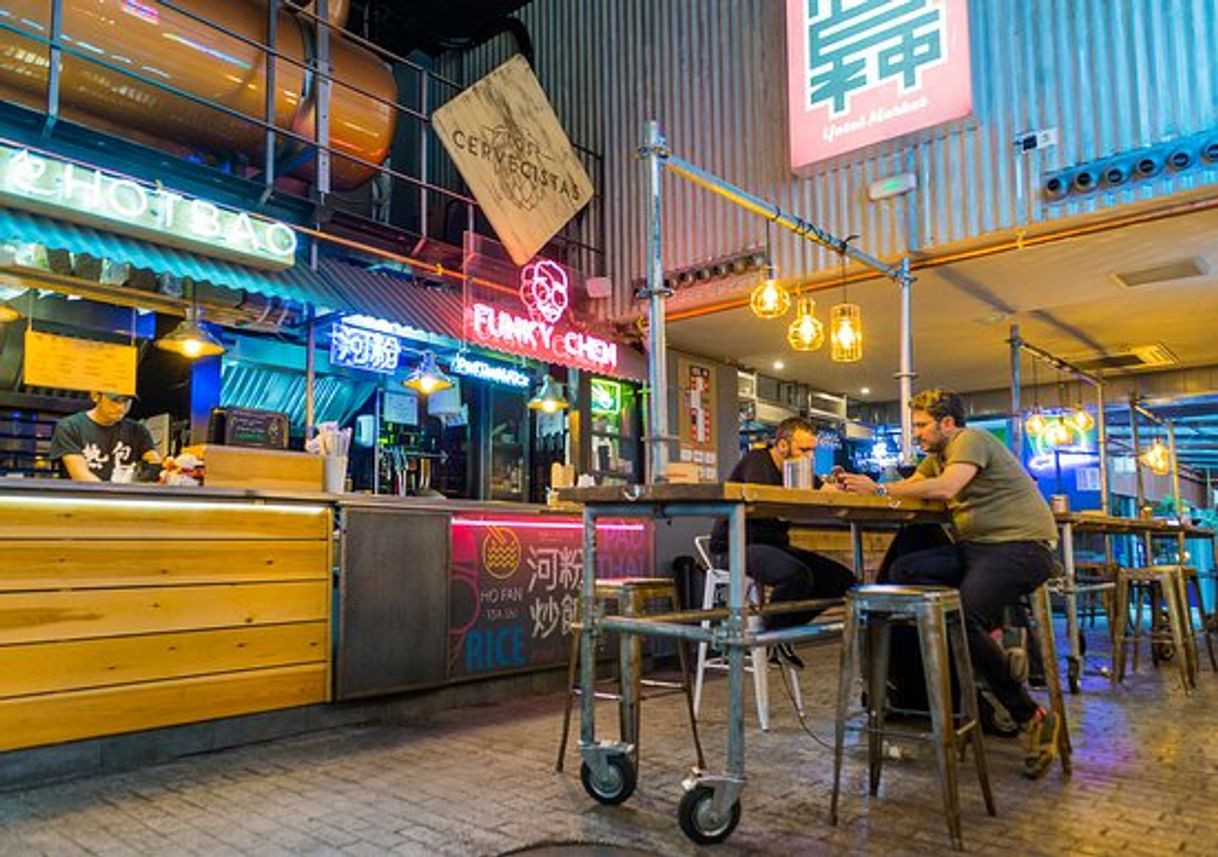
(1039, 737)
(784, 655)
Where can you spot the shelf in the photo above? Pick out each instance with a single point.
(613, 434)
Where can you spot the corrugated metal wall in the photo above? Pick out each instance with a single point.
(1110, 75)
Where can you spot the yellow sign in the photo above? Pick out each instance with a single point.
(514, 155)
(78, 364)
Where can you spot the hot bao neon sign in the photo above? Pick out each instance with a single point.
(546, 295)
(84, 194)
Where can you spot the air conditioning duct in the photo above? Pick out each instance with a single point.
(177, 49)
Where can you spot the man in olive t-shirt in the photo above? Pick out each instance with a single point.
(1003, 550)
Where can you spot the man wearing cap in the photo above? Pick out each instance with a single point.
(102, 444)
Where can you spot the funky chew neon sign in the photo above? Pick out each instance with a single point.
(544, 291)
(84, 194)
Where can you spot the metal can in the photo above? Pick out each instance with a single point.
(1060, 504)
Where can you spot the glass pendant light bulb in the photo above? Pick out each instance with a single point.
(846, 322)
(428, 377)
(769, 299)
(1036, 423)
(549, 398)
(806, 333)
(1082, 420)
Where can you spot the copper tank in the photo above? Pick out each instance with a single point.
(162, 44)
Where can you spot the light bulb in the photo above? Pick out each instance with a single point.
(769, 295)
(1082, 420)
(192, 348)
(427, 383)
(845, 334)
(549, 406)
(1036, 423)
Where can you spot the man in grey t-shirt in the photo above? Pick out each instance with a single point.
(1004, 538)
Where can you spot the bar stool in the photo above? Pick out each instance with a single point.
(1042, 614)
(631, 595)
(716, 583)
(1191, 576)
(939, 617)
(1169, 582)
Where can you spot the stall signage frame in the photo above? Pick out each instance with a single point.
(606, 396)
(507, 143)
(95, 197)
(864, 73)
(67, 363)
(360, 348)
(514, 585)
(542, 332)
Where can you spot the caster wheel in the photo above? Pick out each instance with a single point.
(1073, 675)
(697, 820)
(995, 720)
(616, 786)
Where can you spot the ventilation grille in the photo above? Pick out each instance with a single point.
(1181, 269)
(1141, 357)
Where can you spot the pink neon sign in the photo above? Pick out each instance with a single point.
(863, 73)
(545, 292)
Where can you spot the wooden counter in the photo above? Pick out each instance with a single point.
(129, 610)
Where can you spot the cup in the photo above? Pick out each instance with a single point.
(334, 473)
(1060, 503)
(797, 473)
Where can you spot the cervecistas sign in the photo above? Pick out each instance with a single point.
(95, 197)
(511, 150)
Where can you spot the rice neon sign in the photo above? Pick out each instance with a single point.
(544, 291)
(91, 196)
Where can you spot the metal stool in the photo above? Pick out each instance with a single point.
(1190, 576)
(1042, 613)
(937, 612)
(1167, 580)
(631, 595)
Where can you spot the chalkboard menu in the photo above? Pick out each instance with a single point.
(247, 427)
(515, 585)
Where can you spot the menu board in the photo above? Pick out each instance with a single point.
(515, 586)
(65, 363)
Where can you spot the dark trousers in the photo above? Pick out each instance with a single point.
(990, 577)
(795, 575)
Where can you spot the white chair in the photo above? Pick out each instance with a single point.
(716, 583)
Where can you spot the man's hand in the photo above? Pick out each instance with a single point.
(857, 483)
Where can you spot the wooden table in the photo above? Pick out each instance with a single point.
(711, 801)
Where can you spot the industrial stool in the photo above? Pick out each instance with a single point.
(1190, 576)
(1042, 613)
(716, 582)
(631, 595)
(1169, 581)
(937, 612)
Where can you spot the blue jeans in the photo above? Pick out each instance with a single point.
(990, 577)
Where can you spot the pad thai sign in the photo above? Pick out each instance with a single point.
(540, 333)
(93, 197)
(512, 152)
(864, 71)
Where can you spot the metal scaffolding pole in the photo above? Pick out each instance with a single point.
(658, 157)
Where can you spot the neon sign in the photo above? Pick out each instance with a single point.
(485, 371)
(91, 196)
(364, 349)
(545, 293)
(606, 396)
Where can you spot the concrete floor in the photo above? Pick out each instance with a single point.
(480, 781)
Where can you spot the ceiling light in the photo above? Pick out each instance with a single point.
(769, 299)
(806, 333)
(549, 398)
(1157, 457)
(428, 377)
(191, 339)
(1081, 419)
(865, 391)
(1036, 422)
(779, 365)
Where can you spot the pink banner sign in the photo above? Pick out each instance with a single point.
(864, 71)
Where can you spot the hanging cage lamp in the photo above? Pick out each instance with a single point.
(806, 333)
(846, 333)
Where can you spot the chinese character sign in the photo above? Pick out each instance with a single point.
(364, 349)
(515, 586)
(864, 71)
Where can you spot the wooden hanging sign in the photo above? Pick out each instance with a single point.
(511, 150)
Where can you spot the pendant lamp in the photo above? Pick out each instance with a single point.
(1157, 457)
(549, 398)
(769, 299)
(191, 339)
(428, 377)
(846, 323)
(806, 333)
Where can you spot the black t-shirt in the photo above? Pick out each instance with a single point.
(758, 468)
(103, 447)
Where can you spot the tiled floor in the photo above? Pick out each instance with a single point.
(481, 781)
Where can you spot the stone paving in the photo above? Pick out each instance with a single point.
(480, 781)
